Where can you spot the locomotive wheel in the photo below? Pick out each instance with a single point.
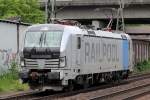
(33, 86)
(86, 84)
(70, 87)
(116, 78)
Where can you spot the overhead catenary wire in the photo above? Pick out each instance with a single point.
(51, 10)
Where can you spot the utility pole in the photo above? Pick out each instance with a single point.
(46, 11)
(51, 10)
(120, 17)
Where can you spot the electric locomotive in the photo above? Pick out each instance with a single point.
(60, 57)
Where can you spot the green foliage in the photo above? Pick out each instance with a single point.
(10, 81)
(28, 10)
(143, 66)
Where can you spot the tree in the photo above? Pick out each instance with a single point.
(28, 10)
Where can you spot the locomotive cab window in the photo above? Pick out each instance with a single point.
(78, 42)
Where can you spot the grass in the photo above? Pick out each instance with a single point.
(10, 81)
(142, 67)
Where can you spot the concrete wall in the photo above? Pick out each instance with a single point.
(8, 36)
(8, 44)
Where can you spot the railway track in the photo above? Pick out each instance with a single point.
(22, 96)
(126, 94)
(50, 96)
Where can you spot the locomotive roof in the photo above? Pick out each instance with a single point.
(39, 27)
(76, 30)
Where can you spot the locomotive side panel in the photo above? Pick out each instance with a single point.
(100, 54)
(125, 54)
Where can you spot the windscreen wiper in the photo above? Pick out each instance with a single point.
(41, 39)
(45, 39)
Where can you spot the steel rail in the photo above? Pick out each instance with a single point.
(21, 96)
(125, 94)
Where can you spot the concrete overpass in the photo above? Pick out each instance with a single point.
(89, 11)
(94, 9)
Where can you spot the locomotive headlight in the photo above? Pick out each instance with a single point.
(22, 63)
(62, 62)
(22, 59)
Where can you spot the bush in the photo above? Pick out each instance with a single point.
(143, 66)
(9, 81)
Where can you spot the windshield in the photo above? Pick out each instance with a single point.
(43, 39)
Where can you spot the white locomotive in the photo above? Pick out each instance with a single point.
(61, 56)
